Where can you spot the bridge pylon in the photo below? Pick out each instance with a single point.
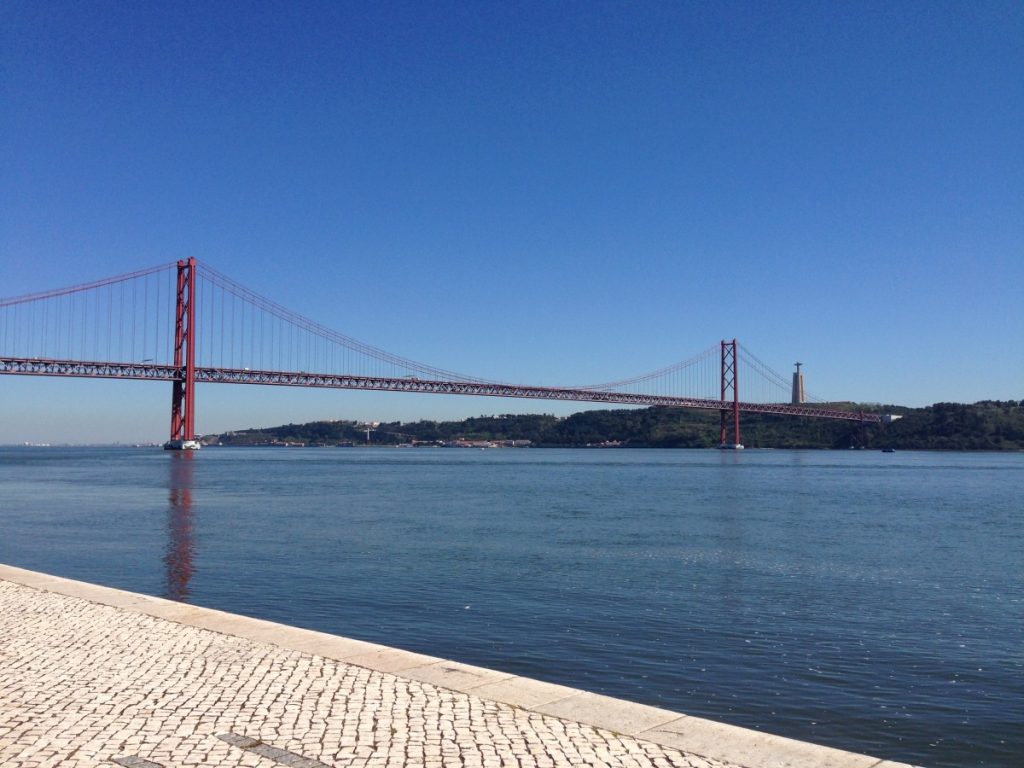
(183, 394)
(730, 386)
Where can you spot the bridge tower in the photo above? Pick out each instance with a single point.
(183, 395)
(730, 386)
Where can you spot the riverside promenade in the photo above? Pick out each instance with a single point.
(93, 676)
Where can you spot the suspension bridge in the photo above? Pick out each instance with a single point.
(186, 323)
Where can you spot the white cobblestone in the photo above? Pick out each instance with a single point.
(83, 683)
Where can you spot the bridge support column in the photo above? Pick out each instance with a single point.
(183, 396)
(730, 386)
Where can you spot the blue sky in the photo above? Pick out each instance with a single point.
(538, 192)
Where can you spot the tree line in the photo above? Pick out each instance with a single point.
(988, 425)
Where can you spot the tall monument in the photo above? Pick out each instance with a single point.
(798, 386)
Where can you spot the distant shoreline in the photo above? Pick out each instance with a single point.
(996, 426)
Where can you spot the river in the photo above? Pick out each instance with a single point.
(868, 601)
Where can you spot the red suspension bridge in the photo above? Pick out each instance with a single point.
(187, 323)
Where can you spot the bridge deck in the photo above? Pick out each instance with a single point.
(153, 372)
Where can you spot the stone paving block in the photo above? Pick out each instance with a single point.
(524, 692)
(135, 762)
(97, 594)
(391, 660)
(751, 749)
(278, 755)
(33, 579)
(233, 624)
(606, 712)
(168, 610)
(454, 675)
(322, 644)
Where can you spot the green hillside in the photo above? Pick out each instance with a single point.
(987, 425)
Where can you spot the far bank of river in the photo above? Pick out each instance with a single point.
(985, 426)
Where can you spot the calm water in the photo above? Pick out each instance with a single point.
(870, 601)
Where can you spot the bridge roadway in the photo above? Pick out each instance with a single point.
(159, 372)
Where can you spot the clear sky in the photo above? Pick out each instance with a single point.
(537, 192)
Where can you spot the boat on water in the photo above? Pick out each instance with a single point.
(182, 445)
(888, 450)
(731, 447)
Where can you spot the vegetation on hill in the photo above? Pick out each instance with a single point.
(987, 425)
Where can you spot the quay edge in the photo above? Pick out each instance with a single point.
(736, 747)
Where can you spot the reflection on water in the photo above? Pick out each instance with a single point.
(178, 560)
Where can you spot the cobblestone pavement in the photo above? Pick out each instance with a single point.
(83, 684)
